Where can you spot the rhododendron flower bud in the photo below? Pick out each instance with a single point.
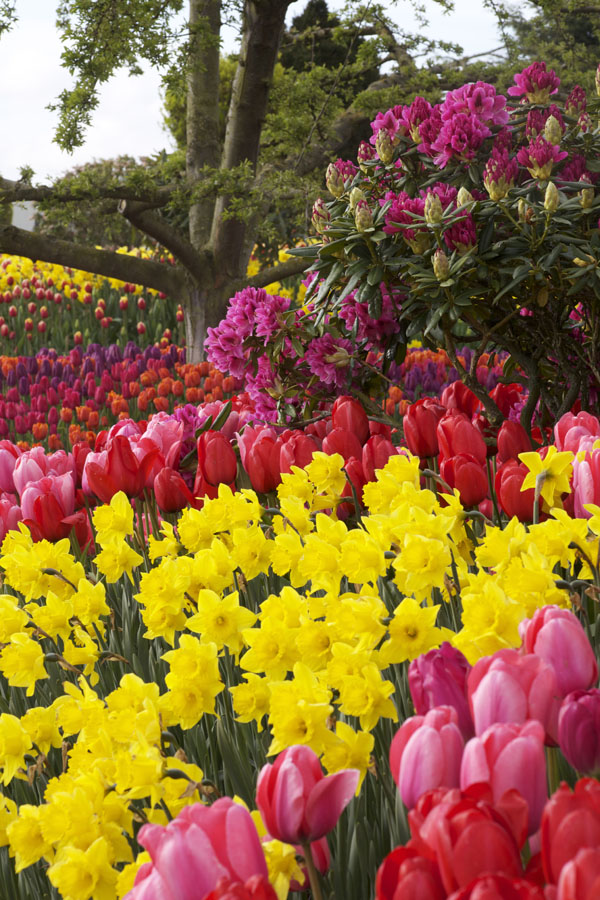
(334, 180)
(363, 217)
(552, 131)
(356, 195)
(420, 427)
(580, 877)
(196, 850)
(320, 216)
(384, 147)
(570, 822)
(465, 199)
(433, 210)
(557, 636)
(551, 198)
(441, 265)
(579, 730)
(405, 873)
(439, 678)
(425, 753)
(347, 412)
(299, 804)
(539, 158)
(499, 175)
(509, 757)
(465, 473)
(216, 458)
(586, 197)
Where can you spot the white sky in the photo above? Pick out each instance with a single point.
(128, 119)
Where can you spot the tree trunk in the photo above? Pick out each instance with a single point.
(204, 307)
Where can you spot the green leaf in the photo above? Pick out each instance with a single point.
(375, 276)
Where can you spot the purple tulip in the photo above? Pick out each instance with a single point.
(579, 730)
(439, 678)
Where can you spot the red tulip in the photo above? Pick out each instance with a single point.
(506, 396)
(216, 458)
(465, 473)
(117, 469)
(466, 835)
(256, 888)
(580, 878)
(10, 514)
(570, 822)
(457, 434)
(172, 493)
(515, 502)
(512, 440)
(404, 873)
(420, 427)
(262, 462)
(348, 413)
(344, 442)
(425, 753)
(499, 887)
(458, 396)
(509, 757)
(299, 804)
(375, 454)
(297, 450)
(356, 480)
(488, 432)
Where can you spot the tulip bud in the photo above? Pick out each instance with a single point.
(384, 147)
(363, 217)
(355, 195)
(441, 266)
(552, 130)
(433, 209)
(465, 198)
(551, 198)
(320, 216)
(334, 180)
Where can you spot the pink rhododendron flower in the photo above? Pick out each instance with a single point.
(536, 83)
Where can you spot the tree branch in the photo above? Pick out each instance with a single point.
(150, 222)
(278, 273)
(151, 274)
(18, 191)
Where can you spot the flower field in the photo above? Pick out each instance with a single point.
(270, 631)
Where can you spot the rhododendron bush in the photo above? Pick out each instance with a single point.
(474, 218)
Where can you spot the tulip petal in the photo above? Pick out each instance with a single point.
(287, 803)
(243, 844)
(327, 801)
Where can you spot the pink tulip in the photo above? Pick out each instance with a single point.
(509, 687)
(557, 636)
(10, 514)
(586, 483)
(201, 846)
(34, 464)
(47, 502)
(166, 433)
(509, 757)
(576, 432)
(425, 753)
(299, 804)
(9, 454)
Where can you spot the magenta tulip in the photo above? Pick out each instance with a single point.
(579, 730)
(425, 753)
(439, 678)
(557, 636)
(299, 804)
(9, 454)
(509, 757)
(201, 846)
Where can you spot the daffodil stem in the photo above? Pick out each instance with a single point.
(313, 875)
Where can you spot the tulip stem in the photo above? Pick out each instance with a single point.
(313, 875)
(552, 766)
